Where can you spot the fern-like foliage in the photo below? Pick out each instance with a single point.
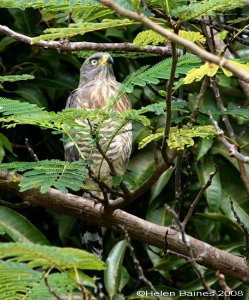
(62, 283)
(150, 37)
(159, 71)
(15, 107)
(197, 74)
(81, 29)
(180, 138)
(11, 78)
(58, 258)
(160, 107)
(200, 8)
(63, 4)
(17, 279)
(49, 173)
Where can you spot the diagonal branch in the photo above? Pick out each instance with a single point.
(192, 47)
(232, 148)
(198, 198)
(137, 228)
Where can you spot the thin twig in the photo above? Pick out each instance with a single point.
(15, 205)
(230, 131)
(93, 133)
(85, 294)
(198, 99)
(223, 284)
(178, 187)
(198, 198)
(155, 91)
(31, 151)
(137, 265)
(99, 183)
(168, 103)
(52, 291)
(155, 146)
(231, 148)
(222, 107)
(244, 228)
(104, 186)
(190, 258)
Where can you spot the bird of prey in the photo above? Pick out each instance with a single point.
(97, 89)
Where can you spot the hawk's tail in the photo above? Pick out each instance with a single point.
(91, 238)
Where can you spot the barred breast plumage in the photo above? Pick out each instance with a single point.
(114, 141)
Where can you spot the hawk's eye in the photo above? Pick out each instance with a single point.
(94, 62)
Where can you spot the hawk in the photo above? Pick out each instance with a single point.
(97, 89)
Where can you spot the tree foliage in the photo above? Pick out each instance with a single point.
(171, 118)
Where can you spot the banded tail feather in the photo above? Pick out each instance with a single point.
(91, 238)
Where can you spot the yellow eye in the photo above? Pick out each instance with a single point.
(94, 62)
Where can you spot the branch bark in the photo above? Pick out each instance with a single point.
(137, 228)
(76, 46)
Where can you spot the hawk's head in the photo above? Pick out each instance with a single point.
(97, 67)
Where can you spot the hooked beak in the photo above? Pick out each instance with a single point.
(106, 59)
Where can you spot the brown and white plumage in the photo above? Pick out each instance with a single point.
(96, 87)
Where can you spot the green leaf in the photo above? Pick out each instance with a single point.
(81, 29)
(141, 166)
(6, 143)
(59, 258)
(125, 277)
(222, 219)
(197, 9)
(112, 274)
(17, 279)
(180, 138)
(161, 183)
(15, 107)
(2, 152)
(161, 70)
(204, 146)
(214, 192)
(12, 78)
(61, 283)
(49, 173)
(32, 93)
(19, 229)
(5, 42)
(196, 74)
(150, 37)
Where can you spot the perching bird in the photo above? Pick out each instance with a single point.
(96, 87)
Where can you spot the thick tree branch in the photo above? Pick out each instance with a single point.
(76, 46)
(137, 228)
(192, 47)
